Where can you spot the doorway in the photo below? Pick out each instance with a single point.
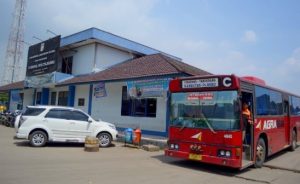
(247, 124)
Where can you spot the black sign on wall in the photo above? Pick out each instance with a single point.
(42, 57)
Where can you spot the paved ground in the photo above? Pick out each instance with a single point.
(68, 163)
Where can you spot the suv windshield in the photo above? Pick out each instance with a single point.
(217, 110)
(30, 111)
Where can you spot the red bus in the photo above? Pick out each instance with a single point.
(207, 124)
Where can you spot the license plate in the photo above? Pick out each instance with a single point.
(195, 157)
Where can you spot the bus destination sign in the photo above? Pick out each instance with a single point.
(200, 83)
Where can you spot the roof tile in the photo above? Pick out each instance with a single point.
(15, 85)
(146, 66)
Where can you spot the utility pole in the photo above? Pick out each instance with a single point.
(12, 70)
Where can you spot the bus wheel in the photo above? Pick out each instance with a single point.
(294, 141)
(260, 153)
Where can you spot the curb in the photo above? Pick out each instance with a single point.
(281, 168)
(161, 143)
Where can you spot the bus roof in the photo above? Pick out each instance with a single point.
(249, 79)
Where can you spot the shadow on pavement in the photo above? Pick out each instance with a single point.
(56, 145)
(281, 153)
(201, 167)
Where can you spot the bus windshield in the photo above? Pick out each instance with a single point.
(216, 110)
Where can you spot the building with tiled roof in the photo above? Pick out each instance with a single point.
(109, 77)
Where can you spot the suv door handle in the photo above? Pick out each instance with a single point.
(72, 123)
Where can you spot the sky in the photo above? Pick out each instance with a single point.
(246, 38)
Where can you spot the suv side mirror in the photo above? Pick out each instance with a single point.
(90, 120)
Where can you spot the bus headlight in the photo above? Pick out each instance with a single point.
(224, 153)
(228, 154)
(172, 146)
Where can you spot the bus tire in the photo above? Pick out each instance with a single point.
(260, 153)
(294, 141)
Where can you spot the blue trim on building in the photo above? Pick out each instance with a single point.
(130, 79)
(71, 96)
(45, 96)
(90, 99)
(168, 112)
(109, 39)
(9, 100)
(147, 132)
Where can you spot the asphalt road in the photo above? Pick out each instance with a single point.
(68, 163)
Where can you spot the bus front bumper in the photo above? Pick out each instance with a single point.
(229, 162)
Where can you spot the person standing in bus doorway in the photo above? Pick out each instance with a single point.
(247, 120)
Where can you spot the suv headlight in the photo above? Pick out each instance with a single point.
(112, 126)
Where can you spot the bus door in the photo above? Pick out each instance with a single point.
(287, 123)
(247, 91)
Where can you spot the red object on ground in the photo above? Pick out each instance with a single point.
(137, 136)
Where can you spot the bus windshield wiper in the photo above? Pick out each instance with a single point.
(208, 124)
(183, 125)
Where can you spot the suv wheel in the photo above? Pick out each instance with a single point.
(104, 139)
(38, 139)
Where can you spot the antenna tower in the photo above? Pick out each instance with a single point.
(13, 66)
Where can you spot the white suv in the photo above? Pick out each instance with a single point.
(42, 124)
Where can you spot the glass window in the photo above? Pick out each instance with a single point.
(53, 98)
(33, 111)
(63, 98)
(143, 107)
(268, 102)
(262, 101)
(67, 64)
(126, 103)
(151, 107)
(139, 107)
(57, 113)
(276, 103)
(217, 110)
(76, 115)
(81, 102)
(38, 99)
(20, 103)
(295, 105)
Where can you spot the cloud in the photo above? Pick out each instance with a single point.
(249, 36)
(294, 60)
(286, 74)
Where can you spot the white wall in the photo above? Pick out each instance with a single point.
(82, 91)
(84, 59)
(107, 56)
(109, 109)
(28, 97)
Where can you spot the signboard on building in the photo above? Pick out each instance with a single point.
(42, 57)
(148, 88)
(99, 90)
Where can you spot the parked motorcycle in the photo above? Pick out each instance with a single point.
(8, 118)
